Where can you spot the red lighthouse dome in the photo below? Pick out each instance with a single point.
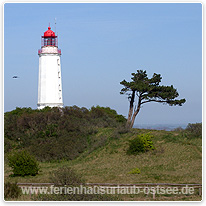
(49, 33)
(48, 42)
(49, 38)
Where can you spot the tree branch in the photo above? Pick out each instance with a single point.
(153, 100)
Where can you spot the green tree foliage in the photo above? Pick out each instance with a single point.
(55, 134)
(23, 163)
(147, 90)
(142, 143)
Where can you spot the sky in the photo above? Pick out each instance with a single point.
(102, 44)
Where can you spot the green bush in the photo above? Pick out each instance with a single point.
(11, 190)
(194, 130)
(23, 163)
(141, 143)
(135, 171)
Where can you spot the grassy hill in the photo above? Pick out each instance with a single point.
(177, 158)
(174, 160)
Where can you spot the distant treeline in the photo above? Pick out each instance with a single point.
(55, 134)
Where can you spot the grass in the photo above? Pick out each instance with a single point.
(174, 161)
(170, 162)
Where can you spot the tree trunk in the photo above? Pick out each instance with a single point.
(135, 114)
(130, 110)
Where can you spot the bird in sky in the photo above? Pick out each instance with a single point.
(15, 77)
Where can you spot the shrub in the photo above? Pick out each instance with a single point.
(135, 171)
(11, 190)
(23, 163)
(66, 176)
(9, 145)
(141, 143)
(103, 112)
(67, 130)
(194, 130)
(136, 146)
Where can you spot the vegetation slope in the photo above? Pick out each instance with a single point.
(95, 142)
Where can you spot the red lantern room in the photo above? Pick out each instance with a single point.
(49, 38)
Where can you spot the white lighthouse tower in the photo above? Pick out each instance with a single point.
(50, 83)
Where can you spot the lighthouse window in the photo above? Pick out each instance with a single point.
(49, 42)
(58, 62)
(53, 42)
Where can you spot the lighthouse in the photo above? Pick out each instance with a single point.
(50, 82)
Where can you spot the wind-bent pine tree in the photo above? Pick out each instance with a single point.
(147, 90)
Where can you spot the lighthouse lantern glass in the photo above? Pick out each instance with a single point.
(49, 41)
(49, 38)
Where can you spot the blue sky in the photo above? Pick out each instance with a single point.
(102, 44)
